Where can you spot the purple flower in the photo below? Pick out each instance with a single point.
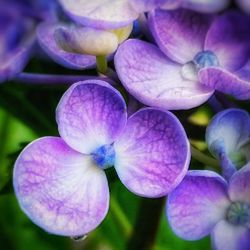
(59, 181)
(114, 14)
(75, 46)
(197, 54)
(228, 139)
(17, 37)
(205, 203)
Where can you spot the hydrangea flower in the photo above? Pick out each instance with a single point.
(228, 138)
(205, 203)
(60, 182)
(112, 14)
(17, 37)
(197, 54)
(76, 47)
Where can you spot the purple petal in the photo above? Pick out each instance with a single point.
(207, 6)
(180, 34)
(232, 127)
(154, 80)
(46, 38)
(100, 14)
(197, 204)
(91, 114)
(59, 189)
(236, 84)
(144, 6)
(230, 237)
(239, 185)
(228, 38)
(244, 5)
(152, 154)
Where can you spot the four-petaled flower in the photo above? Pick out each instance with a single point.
(198, 54)
(60, 183)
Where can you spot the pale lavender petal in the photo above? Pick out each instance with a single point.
(155, 80)
(229, 39)
(100, 14)
(180, 34)
(60, 189)
(197, 204)
(236, 84)
(206, 6)
(229, 129)
(91, 114)
(230, 237)
(244, 5)
(143, 6)
(239, 185)
(46, 38)
(152, 154)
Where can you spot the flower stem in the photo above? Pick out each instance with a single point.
(33, 78)
(147, 223)
(101, 64)
(203, 158)
(120, 217)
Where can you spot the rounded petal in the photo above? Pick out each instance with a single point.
(144, 6)
(206, 6)
(197, 204)
(236, 84)
(46, 38)
(59, 189)
(100, 14)
(91, 114)
(180, 34)
(155, 80)
(229, 128)
(239, 185)
(152, 154)
(230, 237)
(228, 38)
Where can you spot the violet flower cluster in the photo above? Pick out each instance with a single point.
(189, 50)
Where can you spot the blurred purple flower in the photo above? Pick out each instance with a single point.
(114, 14)
(228, 139)
(205, 203)
(197, 54)
(244, 5)
(60, 183)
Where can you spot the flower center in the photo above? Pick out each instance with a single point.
(104, 156)
(205, 59)
(239, 214)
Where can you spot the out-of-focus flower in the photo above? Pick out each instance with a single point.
(228, 138)
(244, 5)
(59, 181)
(206, 6)
(112, 14)
(77, 47)
(204, 203)
(198, 54)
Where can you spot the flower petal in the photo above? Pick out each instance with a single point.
(229, 128)
(180, 34)
(228, 38)
(155, 80)
(100, 14)
(91, 114)
(46, 38)
(205, 6)
(144, 6)
(152, 154)
(197, 204)
(59, 189)
(230, 237)
(236, 84)
(239, 185)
